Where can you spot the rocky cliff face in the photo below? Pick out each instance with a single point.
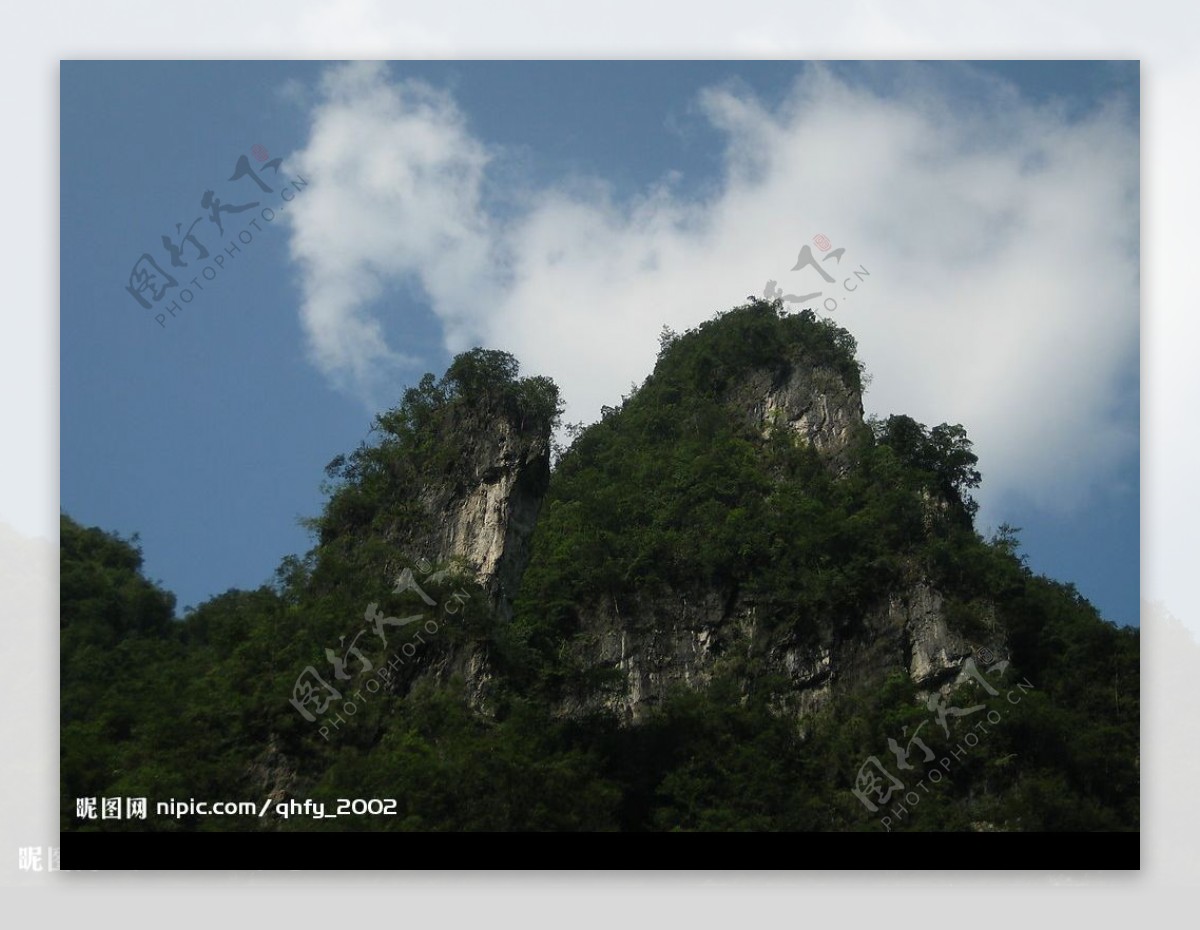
(486, 518)
(810, 401)
(670, 640)
(481, 512)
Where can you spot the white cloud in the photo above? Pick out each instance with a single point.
(1001, 240)
(396, 197)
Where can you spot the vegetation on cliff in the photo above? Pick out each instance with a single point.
(676, 490)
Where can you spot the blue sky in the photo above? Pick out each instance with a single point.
(565, 211)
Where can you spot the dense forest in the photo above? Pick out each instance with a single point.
(490, 709)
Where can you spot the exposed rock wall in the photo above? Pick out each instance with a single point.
(811, 402)
(485, 517)
(667, 641)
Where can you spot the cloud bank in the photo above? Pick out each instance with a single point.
(1000, 237)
